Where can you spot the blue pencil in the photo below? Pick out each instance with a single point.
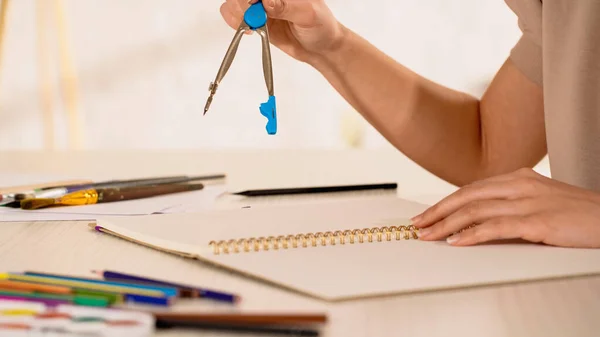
(195, 291)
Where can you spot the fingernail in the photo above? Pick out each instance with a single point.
(424, 232)
(453, 239)
(416, 219)
(271, 3)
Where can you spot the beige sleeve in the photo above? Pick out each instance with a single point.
(527, 57)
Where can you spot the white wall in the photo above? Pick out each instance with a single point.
(144, 67)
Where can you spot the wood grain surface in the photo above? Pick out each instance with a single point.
(565, 307)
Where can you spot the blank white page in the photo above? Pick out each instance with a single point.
(338, 272)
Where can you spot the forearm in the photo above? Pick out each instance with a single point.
(437, 127)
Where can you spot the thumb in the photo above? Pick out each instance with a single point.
(301, 12)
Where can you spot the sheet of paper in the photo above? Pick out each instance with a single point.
(29, 217)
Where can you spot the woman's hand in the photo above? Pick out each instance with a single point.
(300, 28)
(521, 205)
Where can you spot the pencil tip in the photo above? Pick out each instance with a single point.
(210, 98)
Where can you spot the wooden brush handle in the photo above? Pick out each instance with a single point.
(131, 193)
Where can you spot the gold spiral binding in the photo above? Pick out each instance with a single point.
(364, 235)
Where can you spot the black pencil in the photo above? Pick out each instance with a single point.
(163, 324)
(313, 190)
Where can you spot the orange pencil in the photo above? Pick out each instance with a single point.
(30, 287)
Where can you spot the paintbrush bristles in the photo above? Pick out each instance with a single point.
(13, 204)
(37, 203)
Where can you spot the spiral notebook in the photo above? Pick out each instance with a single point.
(340, 250)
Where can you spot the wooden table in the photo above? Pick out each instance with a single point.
(566, 307)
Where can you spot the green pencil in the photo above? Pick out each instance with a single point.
(112, 298)
(91, 301)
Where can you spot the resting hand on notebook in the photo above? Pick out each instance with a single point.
(520, 205)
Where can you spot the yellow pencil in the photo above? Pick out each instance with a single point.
(83, 285)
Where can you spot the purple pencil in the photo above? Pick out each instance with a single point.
(186, 290)
(46, 301)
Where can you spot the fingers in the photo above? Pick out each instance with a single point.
(502, 228)
(233, 12)
(241, 6)
(462, 197)
(495, 188)
(299, 12)
(475, 213)
(229, 16)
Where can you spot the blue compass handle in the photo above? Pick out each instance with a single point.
(269, 110)
(256, 16)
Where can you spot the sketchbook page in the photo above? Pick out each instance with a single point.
(345, 271)
(198, 229)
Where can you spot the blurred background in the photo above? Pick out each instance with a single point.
(134, 74)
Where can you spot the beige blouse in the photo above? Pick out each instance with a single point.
(560, 51)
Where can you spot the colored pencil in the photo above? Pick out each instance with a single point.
(184, 289)
(166, 290)
(73, 299)
(112, 298)
(42, 288)
(24, 286)
(83, 285)
(125, 294)
(45, 301)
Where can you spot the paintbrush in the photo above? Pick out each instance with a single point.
(61, 191)
(104, 195)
